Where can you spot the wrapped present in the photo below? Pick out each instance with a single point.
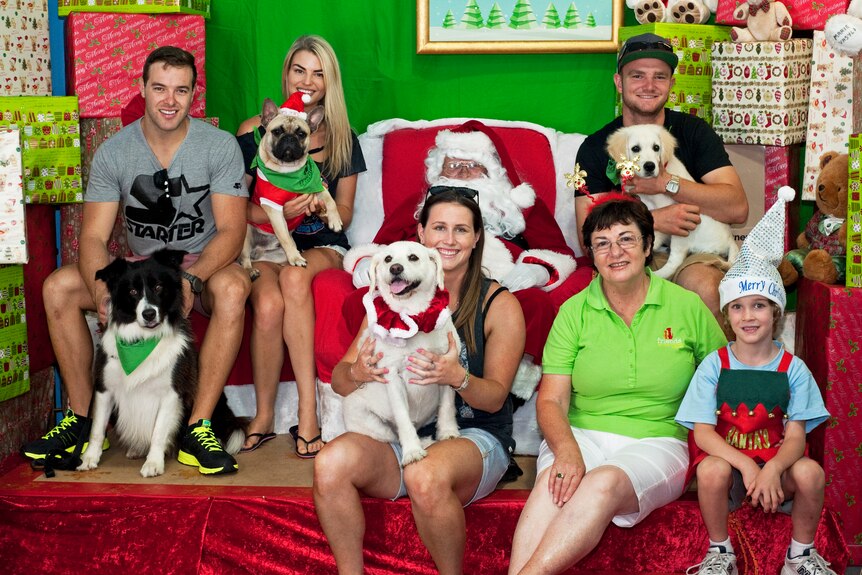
(13, 240)
(25, 52)
(760, 91)
(50, 146)
(199, 7)
(692, 89)
(14, 359)
(828, 333)
(763, 170)
(834, 109)
(106, 54)
(806, 14)
(853, 277)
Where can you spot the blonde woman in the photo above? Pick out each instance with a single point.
(281, 297)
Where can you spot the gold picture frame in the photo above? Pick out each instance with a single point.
(439, 33)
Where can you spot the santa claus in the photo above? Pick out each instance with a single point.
(525, 250)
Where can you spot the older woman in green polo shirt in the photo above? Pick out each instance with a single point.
(616, 365)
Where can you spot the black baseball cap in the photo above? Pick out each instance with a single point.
(646, 46)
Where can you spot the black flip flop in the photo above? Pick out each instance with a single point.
(262, 438)
(294, 432)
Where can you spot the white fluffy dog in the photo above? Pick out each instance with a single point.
(407, 311)
(653, 147)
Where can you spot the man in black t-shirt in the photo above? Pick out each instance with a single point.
(644, 77)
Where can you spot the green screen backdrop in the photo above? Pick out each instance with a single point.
(375, 41)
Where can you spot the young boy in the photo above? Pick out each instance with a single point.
(751, 405)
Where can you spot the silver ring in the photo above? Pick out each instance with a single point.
(560, 475)
(433, 365)
(368, 363)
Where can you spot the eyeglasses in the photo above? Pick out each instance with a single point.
(625, 242)
(468, 193)
(630, 47)
(458, 166)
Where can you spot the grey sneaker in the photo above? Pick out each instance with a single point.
(718, 561)
(809, 563)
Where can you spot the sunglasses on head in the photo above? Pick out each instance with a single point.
(468, 193)
(630, 47)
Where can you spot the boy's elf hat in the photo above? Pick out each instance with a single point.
(755, 270)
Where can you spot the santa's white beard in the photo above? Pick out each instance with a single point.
(500, 215)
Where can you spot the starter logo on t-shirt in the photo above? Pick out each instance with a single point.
(159, 218)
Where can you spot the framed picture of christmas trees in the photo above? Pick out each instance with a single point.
(517, 26)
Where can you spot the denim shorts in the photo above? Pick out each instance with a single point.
(495, 462)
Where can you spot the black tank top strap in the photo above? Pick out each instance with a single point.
(497, 292)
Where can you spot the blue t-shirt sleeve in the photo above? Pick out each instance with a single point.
(806, 403)
(698, 405)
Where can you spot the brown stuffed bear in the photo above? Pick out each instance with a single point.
(823, 244)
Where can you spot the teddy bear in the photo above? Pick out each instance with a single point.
(844, 31)
(679, 11)
(765, 20)
(822, 245)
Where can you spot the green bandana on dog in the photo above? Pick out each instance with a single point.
(133, 354)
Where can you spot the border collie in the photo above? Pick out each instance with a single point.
(146, 366)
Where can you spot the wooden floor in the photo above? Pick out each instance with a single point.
(274, 464)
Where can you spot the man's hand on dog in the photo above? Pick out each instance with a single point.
(437, 369)
(303, 204)
(677, 219)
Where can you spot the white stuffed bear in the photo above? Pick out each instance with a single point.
(844, 31)
(679, 11)
(766, 20)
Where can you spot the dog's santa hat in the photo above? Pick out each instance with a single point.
(475, 141)
(295, 105)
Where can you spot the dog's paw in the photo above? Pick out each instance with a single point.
(253, 274)
(412, 456)
(334, 223)
(153, 468)
(448, 434)
(297, 261)
(90, 460)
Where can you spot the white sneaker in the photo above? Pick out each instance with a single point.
(717, 562)
(809, 563)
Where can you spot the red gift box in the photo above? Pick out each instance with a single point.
(806, 15)
(828, 334)
(106, 54)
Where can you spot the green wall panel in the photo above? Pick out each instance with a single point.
(384, 77)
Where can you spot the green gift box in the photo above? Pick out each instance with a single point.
(854, 213)
(50, 146)
(14, 357)
(198, 7)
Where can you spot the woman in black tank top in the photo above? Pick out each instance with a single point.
(491, 326)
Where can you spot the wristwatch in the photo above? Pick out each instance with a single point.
(196, 282)
(672, 186)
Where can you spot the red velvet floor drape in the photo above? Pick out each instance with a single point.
(108, 529)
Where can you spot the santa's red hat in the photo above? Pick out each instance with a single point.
(295, 105)
(473, 140)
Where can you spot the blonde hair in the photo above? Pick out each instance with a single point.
(339, 142)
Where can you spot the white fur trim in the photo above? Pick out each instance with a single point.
(523, 195)
(564, 265)
(353, 255)
(526, 378)
(292, 112)
(476, 143)
(496, 259)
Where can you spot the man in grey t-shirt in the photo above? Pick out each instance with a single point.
(180, 184)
